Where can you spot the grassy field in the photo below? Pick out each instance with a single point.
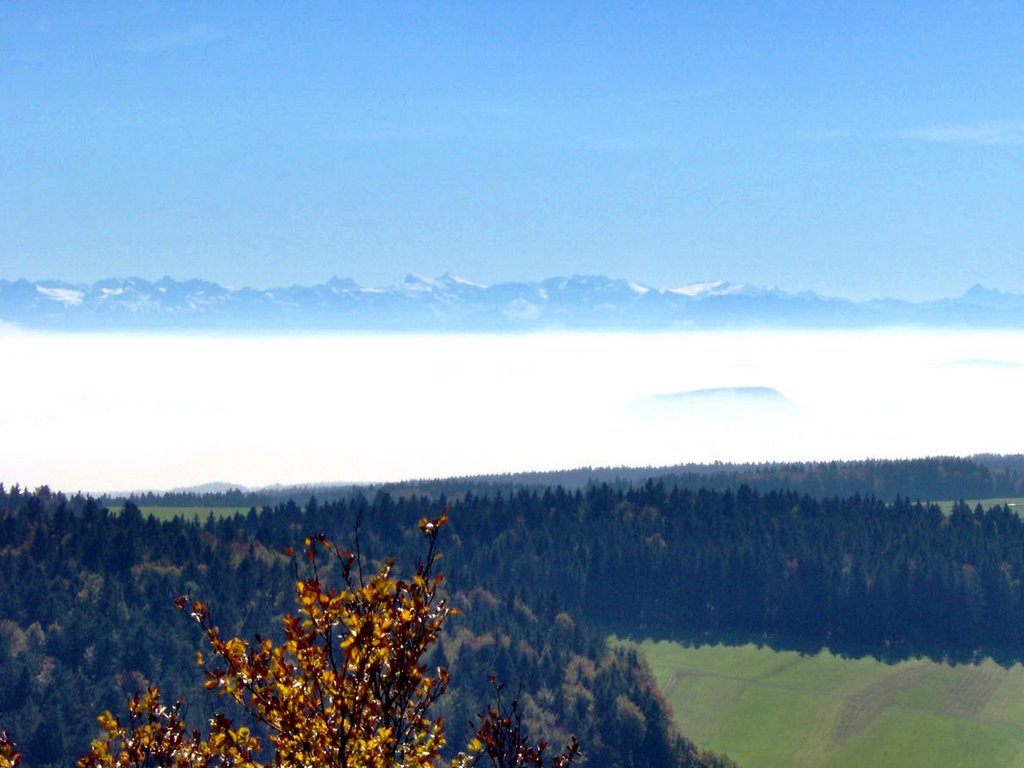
(772, 709)
(169, 513)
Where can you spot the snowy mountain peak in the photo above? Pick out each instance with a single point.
(69, 297)
(712, 288)
(446, 282)
(453, 303)
(451, 279)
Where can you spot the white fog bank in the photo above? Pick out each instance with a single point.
(114, 412)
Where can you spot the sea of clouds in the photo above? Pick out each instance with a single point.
(118, 412)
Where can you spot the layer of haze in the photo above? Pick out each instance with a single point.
(112, 412)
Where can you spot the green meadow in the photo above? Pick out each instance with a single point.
(188, 513)
(783, 709)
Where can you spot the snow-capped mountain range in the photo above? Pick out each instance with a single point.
(450, 303)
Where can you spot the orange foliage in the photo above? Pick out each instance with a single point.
(9, 755)
(348, 687)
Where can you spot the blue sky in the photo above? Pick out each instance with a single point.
(855, 149)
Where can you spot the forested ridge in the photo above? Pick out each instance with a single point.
(543, 575)
(984, 476)
(87, 618)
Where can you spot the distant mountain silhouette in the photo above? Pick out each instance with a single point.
(452, 304)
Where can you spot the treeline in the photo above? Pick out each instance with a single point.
(87, 617)
(928, 479)
(844, 571)
(940, 478)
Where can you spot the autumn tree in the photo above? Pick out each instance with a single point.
(349, 687)
(9, 755)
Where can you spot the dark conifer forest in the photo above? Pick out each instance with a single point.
(817, 555)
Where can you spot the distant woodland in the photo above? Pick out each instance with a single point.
(544, 568)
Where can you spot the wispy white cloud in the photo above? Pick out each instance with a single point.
(994, 133)
(989, 133)
(197, 34)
